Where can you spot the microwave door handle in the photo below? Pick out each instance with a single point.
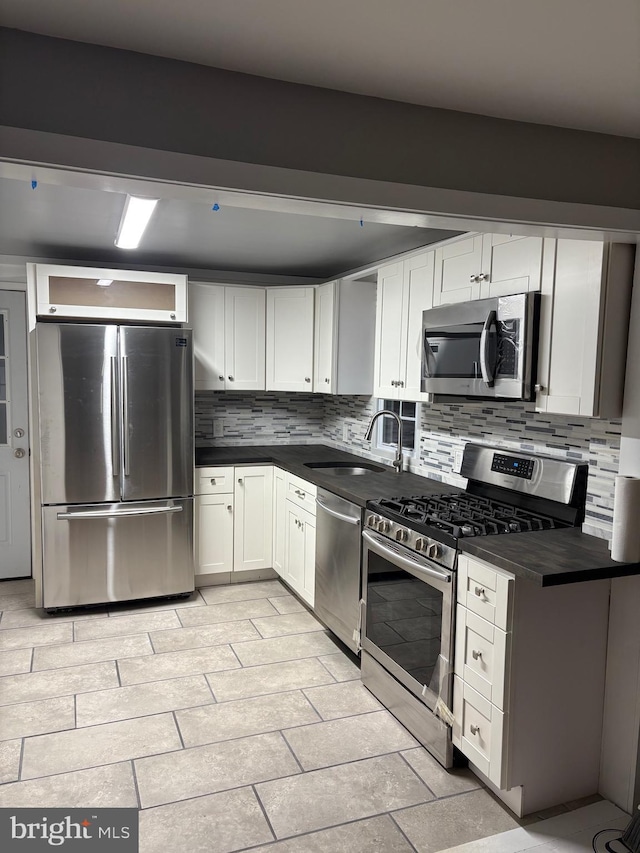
(488, 374)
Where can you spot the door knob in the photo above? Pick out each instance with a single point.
(231, 379)
(19, 453)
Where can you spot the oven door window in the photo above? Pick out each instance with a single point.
(404, 618)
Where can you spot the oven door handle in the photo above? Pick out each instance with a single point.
(388, 553)
(487, 374)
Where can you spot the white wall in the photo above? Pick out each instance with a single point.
(620, 769)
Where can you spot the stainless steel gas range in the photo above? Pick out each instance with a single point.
(410, 547)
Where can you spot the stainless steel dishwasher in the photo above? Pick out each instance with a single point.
(338, 559)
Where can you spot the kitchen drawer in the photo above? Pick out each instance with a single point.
(482, 655)
(486, 590)
(478, 731)
(213, 481)
(301, 493)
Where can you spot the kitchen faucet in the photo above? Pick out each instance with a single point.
(397, 462)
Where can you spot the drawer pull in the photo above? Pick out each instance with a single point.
(475, 654)
(212, 481)
(475, 730)
(300, 494)
(479, 591)
(229, 507)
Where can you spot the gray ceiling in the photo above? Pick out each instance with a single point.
(67, 222)
(573, 63)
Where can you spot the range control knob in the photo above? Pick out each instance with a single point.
(383, 526)
(420, 543)
(372, 521)
(402, 535)
(434, 550)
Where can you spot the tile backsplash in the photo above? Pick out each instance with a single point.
(282, 418)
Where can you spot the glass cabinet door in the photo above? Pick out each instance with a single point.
(110, 294)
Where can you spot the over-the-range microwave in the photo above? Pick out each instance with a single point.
(486, 348)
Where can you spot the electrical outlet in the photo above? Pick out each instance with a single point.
(457, 461)
(218, 428)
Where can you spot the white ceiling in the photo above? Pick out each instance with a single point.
(573, 63)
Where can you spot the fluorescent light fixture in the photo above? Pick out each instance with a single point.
(104, 282)
(135, 218)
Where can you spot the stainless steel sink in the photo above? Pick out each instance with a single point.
(343, 469)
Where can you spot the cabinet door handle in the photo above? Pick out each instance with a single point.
(479, 591)
(229, 507)
(327, 380)
(475, 730)
(475, 654)
(231, 379)
(221, 378)
(240, 480)
(307, 379)
(400, 383)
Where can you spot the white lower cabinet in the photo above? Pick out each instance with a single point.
(233, 519)
(294, 533)
(214, 540)
(528, 687)
(300, 551)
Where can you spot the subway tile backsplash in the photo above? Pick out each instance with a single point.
(282, 418)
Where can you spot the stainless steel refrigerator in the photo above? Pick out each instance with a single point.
(115, 411)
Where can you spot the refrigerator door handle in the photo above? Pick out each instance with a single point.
(115, 445)
(125, 414)
(116, 513)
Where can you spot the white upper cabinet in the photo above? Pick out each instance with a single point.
(456, 267)
(244, 338)
(344, 337)
(107, 294)
(290, 334)
(487, 265)
(405, 290)
(584, 319)
(510, 265)
(206, 310)
(389, 317)
(228, 337)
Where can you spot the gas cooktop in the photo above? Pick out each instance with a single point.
(461, 514)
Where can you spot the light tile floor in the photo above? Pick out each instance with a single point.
(234, 722)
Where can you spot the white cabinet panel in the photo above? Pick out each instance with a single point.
(418, 275)
(481, 655)
(213, 534)
(586, 293)
(206, 314)
(478, 731)
(389, 314)
(300, 550)
(323, 374)
(253, 529)
(513, 264)
(279, 512)
(455, 265)
(290, 336)
(486, 590)
(245, 338)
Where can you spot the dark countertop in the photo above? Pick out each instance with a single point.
(550, 557)
(358, 488)
(546, 558)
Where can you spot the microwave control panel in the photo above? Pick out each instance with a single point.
(516, 466)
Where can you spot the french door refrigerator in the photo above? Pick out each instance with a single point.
(115, 417)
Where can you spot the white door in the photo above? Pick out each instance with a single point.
(389, 314)
(457, 267)
(325, 317)
(418, 296)
(206, 317)
(514, 264)
(290, 338)
(244, 338)
(294, 556)
(15, 532)
(214, 534)
(253, 529)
